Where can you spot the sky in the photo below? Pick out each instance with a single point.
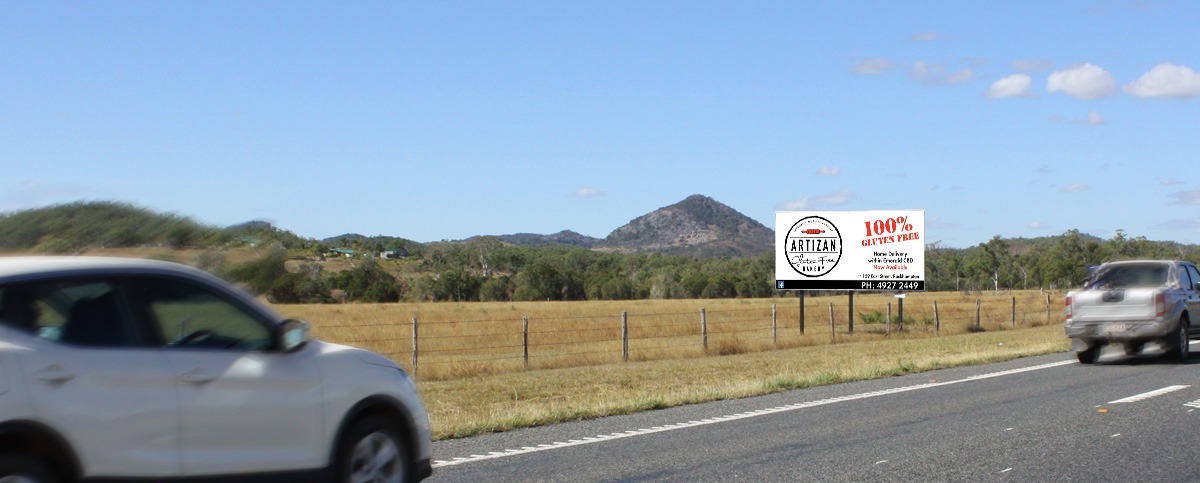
(444, 120)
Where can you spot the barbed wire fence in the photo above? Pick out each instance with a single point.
(448, 349)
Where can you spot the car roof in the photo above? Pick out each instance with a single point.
(23, 267)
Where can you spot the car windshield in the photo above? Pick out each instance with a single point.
(1124, 276)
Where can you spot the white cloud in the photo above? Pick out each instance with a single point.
(832, 199)
(1094, 119)
(924, 37)
(961, 77)
(1016, 85)
(1169, 182)
(588, 193)
(1032, 65)
(1083, 82)
(877, 65)
(1075, 188)
(829, 171)
(934, 73)
(1037, 225)
(1168, 81)
(1189, 197)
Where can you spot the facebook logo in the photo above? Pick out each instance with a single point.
(779, 284)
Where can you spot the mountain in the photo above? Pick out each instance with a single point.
(565, 237)
(697, 226)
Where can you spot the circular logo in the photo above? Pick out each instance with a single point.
(813, 246)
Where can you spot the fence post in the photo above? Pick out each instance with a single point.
(1014, 312)
(889, 318)
(414, 346)
(774, 324)
(1047, 308)
(525, 338)
(937, 321)
(850, 316)
(802, 312)
(900, 313)
(704, 328)
(624, 336)
(832, 330)
(978, 323)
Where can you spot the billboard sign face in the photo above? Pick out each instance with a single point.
(850, 250)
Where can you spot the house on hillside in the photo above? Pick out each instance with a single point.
(394, 254)
(343, 252)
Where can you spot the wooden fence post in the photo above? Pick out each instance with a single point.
(525, 338)
(624, 336)
(832, 330)
(774, 324)
(1047, 308)
(1014, 312)
(889, 318)
(937, 321)
(704, 328)
(414, 346)
(900, 313)
(978, 322)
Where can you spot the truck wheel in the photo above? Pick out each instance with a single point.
(16, 468)
(1181, 344)
(1089, 355)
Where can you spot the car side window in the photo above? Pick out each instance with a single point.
(1195, 275)
(191, 316)
(81, 313)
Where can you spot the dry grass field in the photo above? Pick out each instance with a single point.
(467, 339)
(474, 375)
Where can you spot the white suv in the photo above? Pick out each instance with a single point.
(117, 369)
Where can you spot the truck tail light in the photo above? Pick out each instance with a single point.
(1068, 306)
(1160, 304)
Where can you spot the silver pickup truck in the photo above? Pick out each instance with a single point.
(1132, 303)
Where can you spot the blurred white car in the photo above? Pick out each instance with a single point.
(116, 369)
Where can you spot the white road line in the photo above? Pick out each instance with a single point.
(1147, 395)
(1193, 404)
(721, 419)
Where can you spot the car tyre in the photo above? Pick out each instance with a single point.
(17, 468)
(373, 451)
(1089, 355)
(1180, 344)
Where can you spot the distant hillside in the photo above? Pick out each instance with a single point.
(565, 237)
(696, 226)
(74, 227)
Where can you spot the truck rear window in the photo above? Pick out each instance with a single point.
(1123, 276)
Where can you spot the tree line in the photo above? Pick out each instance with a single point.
(486, 269)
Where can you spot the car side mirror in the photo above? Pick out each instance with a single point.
(291, 335)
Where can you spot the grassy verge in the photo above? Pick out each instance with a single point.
(476, 405)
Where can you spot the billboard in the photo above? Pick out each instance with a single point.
(850, 250)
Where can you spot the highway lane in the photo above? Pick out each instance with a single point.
(1040, 418)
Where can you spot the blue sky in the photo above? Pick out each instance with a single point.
(444, 120)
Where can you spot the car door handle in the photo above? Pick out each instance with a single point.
(54, 374)
(197, 376)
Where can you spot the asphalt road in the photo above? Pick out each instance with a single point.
(1043, 418)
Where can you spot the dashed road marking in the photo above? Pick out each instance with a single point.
(1147, 395)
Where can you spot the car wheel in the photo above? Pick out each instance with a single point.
(1182, 344)
(1134, 348)
(374, 452)
(1089, 355)
(23, 469)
